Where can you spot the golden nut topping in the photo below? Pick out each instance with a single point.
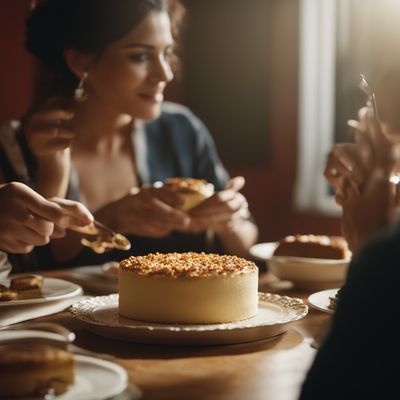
(191, 265)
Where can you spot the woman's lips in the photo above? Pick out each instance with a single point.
(152, 97)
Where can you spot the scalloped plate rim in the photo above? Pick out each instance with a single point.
(238, 325)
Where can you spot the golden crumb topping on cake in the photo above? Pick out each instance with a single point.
(188, 265)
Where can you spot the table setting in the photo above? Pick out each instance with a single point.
(98, 335)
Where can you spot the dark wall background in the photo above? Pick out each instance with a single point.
(240, 76)
(228, 72)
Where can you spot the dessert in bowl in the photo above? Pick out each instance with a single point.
(311, 261)
(188, 288)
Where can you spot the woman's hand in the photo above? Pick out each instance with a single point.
(28, 219)
(46, 127)
(148, 211)
(222, 211)
(349, 165)
(345, 170)
(370, 211)
(73, 214)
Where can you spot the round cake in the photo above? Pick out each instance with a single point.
(34, 371)
(188, 288)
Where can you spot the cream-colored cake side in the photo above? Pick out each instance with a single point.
(212, 299)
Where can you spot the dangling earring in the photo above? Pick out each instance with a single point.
(80, 93)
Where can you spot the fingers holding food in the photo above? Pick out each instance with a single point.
(193, 191)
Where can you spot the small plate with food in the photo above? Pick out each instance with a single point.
(54, 372)
(324, 300)
(32, 289)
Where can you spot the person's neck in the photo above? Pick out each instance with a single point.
(100, 128)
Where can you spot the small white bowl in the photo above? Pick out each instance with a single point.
(310, 273)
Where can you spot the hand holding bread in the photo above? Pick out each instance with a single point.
(222, 210)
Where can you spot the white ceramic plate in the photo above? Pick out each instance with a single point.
(100, 314)
(93, 279)
(320, 300)
(110, 269)
(263, 251)
(95, 379)
(52, 289)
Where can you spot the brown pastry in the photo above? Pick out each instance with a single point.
(6, 294)
(313, 246)
(195, 191)
(34, 371)
(90, 229)
(27, 286)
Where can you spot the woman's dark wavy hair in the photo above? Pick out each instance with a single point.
(87, 26)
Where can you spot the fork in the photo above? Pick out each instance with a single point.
(100, 225)
(364, 86)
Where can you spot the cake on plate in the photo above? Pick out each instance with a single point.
(34, 371)
(22, 287)
(27, 286)
(194, 191)
(6, 294)
(313, 246)
(188, 288)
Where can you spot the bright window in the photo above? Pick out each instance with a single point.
(339, 39)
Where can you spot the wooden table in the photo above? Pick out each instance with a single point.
(264, 370)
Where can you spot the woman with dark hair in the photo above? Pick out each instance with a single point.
(104, 132)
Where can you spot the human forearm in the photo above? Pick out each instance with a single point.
(238, 237)
(52, 176)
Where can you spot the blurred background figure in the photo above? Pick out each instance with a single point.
(376, 146)
(366, 179)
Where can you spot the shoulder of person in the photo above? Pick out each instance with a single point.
(171, 108)
(378, 260)
(179, 114)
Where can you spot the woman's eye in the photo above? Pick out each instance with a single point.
(140, 57)
(168, 55)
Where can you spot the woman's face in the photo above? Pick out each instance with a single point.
(131, 74)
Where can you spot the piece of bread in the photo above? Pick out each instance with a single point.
(6, 294)
(195, 191)
(27, 286)
(313, 246)
(90, 229)
(34, 371)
